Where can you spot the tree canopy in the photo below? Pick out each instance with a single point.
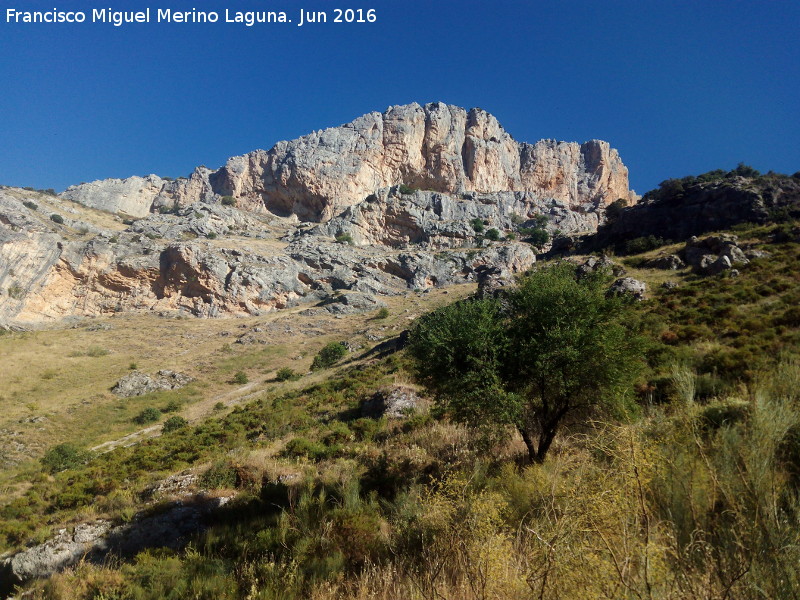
(554, 348)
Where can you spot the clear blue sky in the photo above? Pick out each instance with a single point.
(677, 87)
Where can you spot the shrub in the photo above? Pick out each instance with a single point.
(328, 356)
(477, 225)
(614, 210)
(285, 374)
(55, 218)
(535, 236)
(29, 204)
(406, 189)
(211, 236)
(64, 456)
(240, 377)
(220, 475)
(148, 415)
(382, 313)
(301, 446)
(493, 234)
(172, 406)
(344, 238)
(173, 424)
(643, 244)
(229, 201)
(15, 291)
(219, 406)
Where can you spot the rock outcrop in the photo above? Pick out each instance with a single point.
(96, 542)
(714, 254)
(433, 147)
(401, 191)
(703, 207)
(395, 402)
(628, 286)
(138, 383)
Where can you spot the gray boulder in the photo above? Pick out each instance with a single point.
(393, 403)
(668, 262)
(138, 383)
(628, 286)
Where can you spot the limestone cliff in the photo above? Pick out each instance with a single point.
(435, 147)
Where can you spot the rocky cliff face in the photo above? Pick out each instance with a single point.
(433, 147)
(697, 208)
(210, 260)
(401, 191)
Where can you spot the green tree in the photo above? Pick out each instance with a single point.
(328, 356)
(64, 456)
(553, 350)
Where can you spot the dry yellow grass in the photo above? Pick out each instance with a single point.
(55, 383)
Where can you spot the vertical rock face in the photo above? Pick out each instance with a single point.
(435, 147)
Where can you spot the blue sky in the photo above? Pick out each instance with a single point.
(677, 87)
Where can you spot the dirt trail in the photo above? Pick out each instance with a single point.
(196, 412)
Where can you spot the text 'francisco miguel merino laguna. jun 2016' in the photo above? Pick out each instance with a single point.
(118, 18)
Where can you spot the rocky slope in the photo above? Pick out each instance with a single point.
(401, 192)
(685, 207)
(433, 147)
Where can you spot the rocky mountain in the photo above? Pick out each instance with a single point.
(434, 147)
(389, 203)
(681, 208)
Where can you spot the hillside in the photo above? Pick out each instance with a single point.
(296, 451)
(326, 496)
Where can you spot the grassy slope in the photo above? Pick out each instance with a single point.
(411, 509)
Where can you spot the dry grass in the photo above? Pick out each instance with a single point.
(56, 382)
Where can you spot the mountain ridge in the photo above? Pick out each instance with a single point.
(435, 146)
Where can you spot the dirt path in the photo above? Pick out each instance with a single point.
(194, 413)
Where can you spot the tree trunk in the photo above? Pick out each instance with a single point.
(545, 439)
(528, 444)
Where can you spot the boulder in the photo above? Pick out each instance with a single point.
(492, 281)
(668, 262)
(138, 383)
(628, 286)
(393, 402)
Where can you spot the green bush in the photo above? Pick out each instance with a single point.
(493, 235)
(328, 356)
(148, 415)
(477, 225)
(240, 377)
(64, 456)
(220, 475)
(229, 201)
(301, 446)
(643, 244)
(29, 204)
(535, 236)
(382, 313)
(211, 236)
(495, 365)
(406, 189)
(344, 238)
(173, 424)
(55, 218)
(285, 374)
